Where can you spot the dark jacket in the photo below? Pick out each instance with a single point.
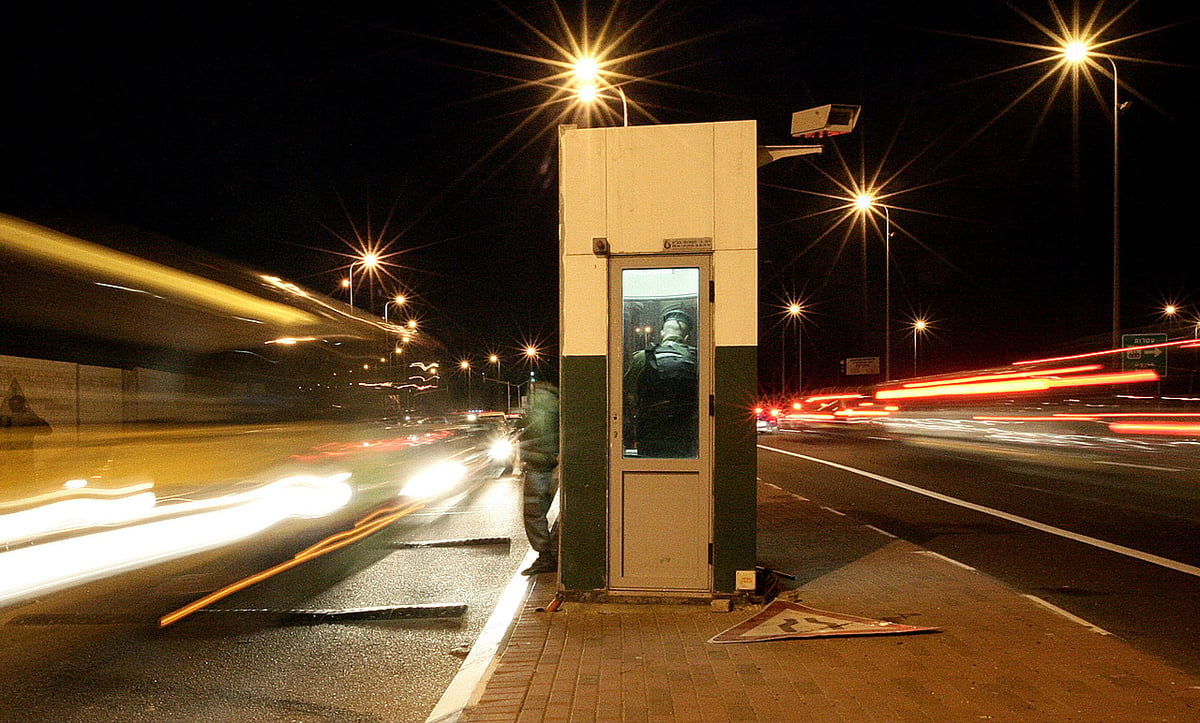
(539, 438)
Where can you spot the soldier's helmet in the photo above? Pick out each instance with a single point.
(681, 316)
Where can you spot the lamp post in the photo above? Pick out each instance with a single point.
(466, 367)
(1116, 222)
(369, 261)
(1076, 52)
(865, 202)
(398, 300)
(918, 327)
(587, 74)
(495, 359)
(796, 310)
(531, 356)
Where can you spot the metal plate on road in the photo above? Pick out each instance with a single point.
(782, 620)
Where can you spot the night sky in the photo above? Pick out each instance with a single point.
(270, 135)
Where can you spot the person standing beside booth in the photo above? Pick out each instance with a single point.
(539, 458)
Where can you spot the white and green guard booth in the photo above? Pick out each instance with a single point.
(658, 334)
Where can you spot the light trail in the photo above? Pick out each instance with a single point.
(369, 525)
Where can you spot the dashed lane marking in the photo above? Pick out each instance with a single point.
(1150, 467)
(943, 558)
(885, 533)
(1073, 618)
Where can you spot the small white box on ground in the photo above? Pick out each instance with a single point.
(746, 580)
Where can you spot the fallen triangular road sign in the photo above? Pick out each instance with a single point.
(782, 620)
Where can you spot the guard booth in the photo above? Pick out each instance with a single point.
(658, 334)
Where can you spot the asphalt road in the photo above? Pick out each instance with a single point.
(96, 652)
(1112, 540)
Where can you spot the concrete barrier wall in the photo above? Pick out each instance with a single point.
(70, 396)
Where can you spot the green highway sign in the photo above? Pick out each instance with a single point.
(1134, 359)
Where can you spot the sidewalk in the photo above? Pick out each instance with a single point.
(1000, 656)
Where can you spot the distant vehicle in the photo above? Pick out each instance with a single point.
(500, 439)
(832, 413)
(766, 420)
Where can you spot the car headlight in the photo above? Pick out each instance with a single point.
(501, 450)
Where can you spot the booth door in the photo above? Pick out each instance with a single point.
(660, 425)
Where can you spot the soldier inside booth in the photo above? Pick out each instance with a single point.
(661, 381)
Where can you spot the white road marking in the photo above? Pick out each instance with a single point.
(885, 533)
(1017, 519)
(469, 683)
(772, 484)
(1073, 618)
(1140, 466)
(943, 558)
(836, 512)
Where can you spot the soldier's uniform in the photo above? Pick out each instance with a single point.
(664, 379)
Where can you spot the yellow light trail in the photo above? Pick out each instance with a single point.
(48, 246)
(365, 527)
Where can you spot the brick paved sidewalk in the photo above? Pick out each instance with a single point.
(1000, 656)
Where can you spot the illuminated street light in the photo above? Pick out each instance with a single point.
(1075, 51)
(531, 357)
(495, 359)
(1078, 52)
(919, 327)
(466, 367)
(865, 202)
(368, 261)
(587, 74)
(398, 300)
(795, 312)
(1169, 313)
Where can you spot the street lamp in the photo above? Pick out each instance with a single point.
(368, 261)
(531, 356)
(587, 74)
(495, 359)
(1075, 53)
(398, 300)
(466, 367)
(865, 202)
(796, 312)
(919, 326)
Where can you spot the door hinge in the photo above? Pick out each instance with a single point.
(710, 553)
(712, 405)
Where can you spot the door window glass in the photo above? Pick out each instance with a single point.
(661, 362)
